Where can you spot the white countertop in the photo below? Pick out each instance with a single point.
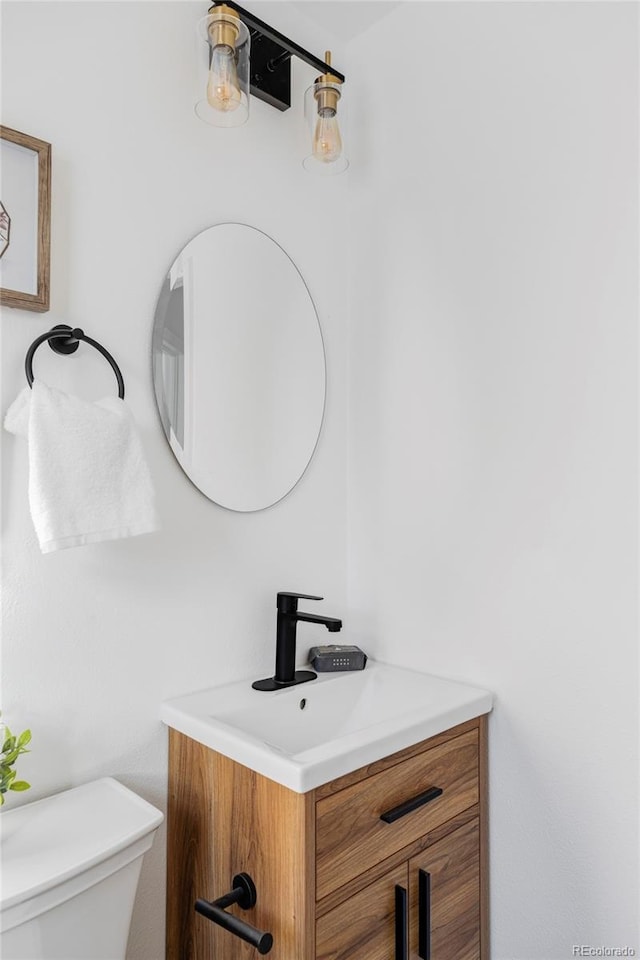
(309, 734)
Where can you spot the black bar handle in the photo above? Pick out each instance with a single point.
(287, 602)
(298, 596)
(424, 915)
(244, 894)
(402, 939)
(410, 805)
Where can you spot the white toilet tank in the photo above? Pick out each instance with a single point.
(69, 871)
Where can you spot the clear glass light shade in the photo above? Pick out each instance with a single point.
(223, 70)
(324, 113)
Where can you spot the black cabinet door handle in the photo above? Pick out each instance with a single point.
(424, 915)
(402, 939)
(410, 805)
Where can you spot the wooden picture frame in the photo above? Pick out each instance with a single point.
(26, 232)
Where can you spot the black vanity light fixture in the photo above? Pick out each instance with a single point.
(240, 54)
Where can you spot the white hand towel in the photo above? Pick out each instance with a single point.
(88, 480)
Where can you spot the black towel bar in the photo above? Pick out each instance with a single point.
(65, 340)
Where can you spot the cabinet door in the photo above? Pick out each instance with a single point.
(444, 885)
(371, 925)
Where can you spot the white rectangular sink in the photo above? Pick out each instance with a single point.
(306, 735)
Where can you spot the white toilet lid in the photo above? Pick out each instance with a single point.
(47, 842)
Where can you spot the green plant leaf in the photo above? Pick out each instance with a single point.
(24, 738)
(12, 748)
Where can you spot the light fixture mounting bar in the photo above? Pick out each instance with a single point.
(271, 60)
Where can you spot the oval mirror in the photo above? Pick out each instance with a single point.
(238, 367)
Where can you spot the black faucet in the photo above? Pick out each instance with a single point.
(286, 674)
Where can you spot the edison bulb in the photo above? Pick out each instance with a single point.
(327, 142)
(223, 87)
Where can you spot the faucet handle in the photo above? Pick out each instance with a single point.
(288, 602)
(300, 596)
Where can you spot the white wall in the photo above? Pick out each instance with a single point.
(95, 638)
(493, 508)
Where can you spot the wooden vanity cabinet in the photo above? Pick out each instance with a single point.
(334, 881)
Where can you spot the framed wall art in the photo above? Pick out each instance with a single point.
(25, 220)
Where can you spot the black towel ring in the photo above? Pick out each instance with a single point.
(65, 343)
